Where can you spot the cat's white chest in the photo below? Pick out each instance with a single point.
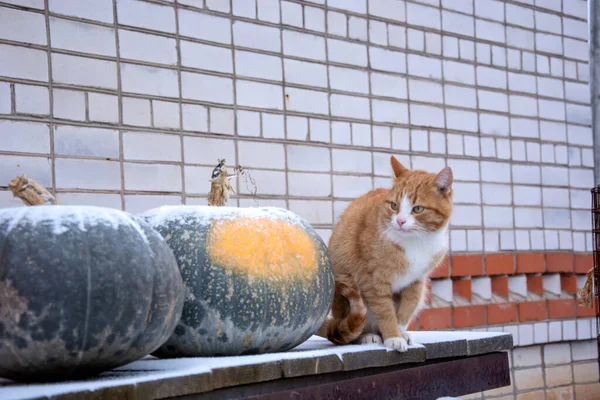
(419, 256)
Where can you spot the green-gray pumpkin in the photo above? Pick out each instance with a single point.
(257, 280)
(82, 290)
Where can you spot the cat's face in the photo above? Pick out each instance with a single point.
(419, 202)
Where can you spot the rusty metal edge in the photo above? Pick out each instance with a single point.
(596, 234)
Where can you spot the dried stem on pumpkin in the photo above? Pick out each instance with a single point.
(220, 183)
(30, 192)
(586, 293)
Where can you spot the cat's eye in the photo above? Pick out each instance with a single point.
(393, 206)
(418, 209)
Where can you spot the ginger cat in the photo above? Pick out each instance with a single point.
(382, 249)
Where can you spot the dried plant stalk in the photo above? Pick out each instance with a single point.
(248, 180)
(30, 192)
(586, 294)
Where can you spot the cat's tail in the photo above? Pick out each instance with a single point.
(346, 328)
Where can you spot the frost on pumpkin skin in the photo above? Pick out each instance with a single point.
(82, 290)
(257, 279)
(204, 214)
(63, 218)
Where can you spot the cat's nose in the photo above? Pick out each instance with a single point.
(400, 221)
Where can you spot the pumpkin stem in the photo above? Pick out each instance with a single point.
(30, 192)
(220, 185)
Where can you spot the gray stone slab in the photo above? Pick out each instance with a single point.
(126, 392)
(414, 354)
(362, 359)
(312, 365)
(227, 376)
(152, 378)
(170, 377)
(173, 387)
(489, 344)
(111, 385)
(440, 346)
(367, 355)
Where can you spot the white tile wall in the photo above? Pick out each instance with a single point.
(497, 90)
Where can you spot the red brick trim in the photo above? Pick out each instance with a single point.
(583, 263)
(435, 318)
(500, 285)
(499, 264)
(462, 287)
(502, 313)
(498, 313)
(469, 316)
(532, 311)
(530, 263)
(568, 283)
(561, 308)
(476, 264)
(585, 312)
(535, 284)
(559, 262)
(467, 265)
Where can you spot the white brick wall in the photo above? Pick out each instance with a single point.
(86, 142)
(327, 91)
(82, 37)
(207, 27)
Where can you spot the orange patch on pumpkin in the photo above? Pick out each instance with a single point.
(262, 247)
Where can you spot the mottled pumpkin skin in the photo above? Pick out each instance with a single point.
(82, 290)
(257, 280)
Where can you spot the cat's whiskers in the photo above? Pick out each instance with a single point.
(416, 234)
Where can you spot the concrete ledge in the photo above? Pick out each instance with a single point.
(152, 378)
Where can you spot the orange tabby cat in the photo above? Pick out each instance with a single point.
(382, 249)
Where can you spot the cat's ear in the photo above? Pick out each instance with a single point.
(443, 180)
(398, 168)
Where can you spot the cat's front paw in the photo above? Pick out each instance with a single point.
(397, 343)
(408, 337)
(369, 338)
